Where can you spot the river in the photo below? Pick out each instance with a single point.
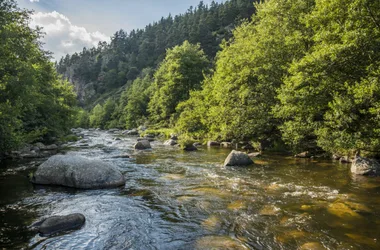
(187, 200)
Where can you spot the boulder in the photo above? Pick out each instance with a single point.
(132, 132)
(237, 158)
(32, 154)
(170, 142)
(197, 144)
(51, 147)
(40, 145)
(141, 145)
(57, 224)
(77, 172)
(365, 166)
(117, 139)
(213, 144)
(174, 137)
(305, 154)
(226, 145)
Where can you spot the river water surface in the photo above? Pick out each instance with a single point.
(187, 200)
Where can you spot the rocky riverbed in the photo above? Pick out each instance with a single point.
(174, 199)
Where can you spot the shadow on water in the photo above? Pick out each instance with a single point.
(187, 200)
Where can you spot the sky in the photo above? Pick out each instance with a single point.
(70, 25)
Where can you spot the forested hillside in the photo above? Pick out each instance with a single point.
(301, 75)
(96, 72)
(35, 103)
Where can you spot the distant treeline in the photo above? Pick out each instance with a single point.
(97, 71)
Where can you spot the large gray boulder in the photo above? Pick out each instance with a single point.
(141, 145)
(57, 224)
(237, 158)
(365, 166)
(77, 172)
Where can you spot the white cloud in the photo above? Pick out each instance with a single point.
(62, 37)
(34, 1)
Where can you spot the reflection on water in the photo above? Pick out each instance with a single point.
(187, 200)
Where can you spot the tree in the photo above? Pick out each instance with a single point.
(35, 104)
(96, 116)
(331, 98)
(249, 69)
(138, 98)
(180, 72)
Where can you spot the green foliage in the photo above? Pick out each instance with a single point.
(96, 116)
(162, 132)
(181, 72)
(138, 96)
(83, 119)
(185, 141)
(112, 65)
(236, 102)
(332, 96)
(35, 104)
(193, 118)
(69, 138)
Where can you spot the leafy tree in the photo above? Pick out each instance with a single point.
(331, 97)
(96, 116)
(83, 119)
(180, 72)
(138, 98)
(249, 69)
(35, 104)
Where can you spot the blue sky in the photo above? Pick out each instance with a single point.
(72, 24)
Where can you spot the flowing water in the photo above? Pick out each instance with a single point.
(187, 200)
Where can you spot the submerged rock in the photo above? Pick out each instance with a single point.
(190, 148)
(365, 166)
(57, 224)
(77, 172)
(237, 158)
(312, 246)
(218, 242)
(141, 145)
(213, 144)
(170, 142)
(121, 157)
